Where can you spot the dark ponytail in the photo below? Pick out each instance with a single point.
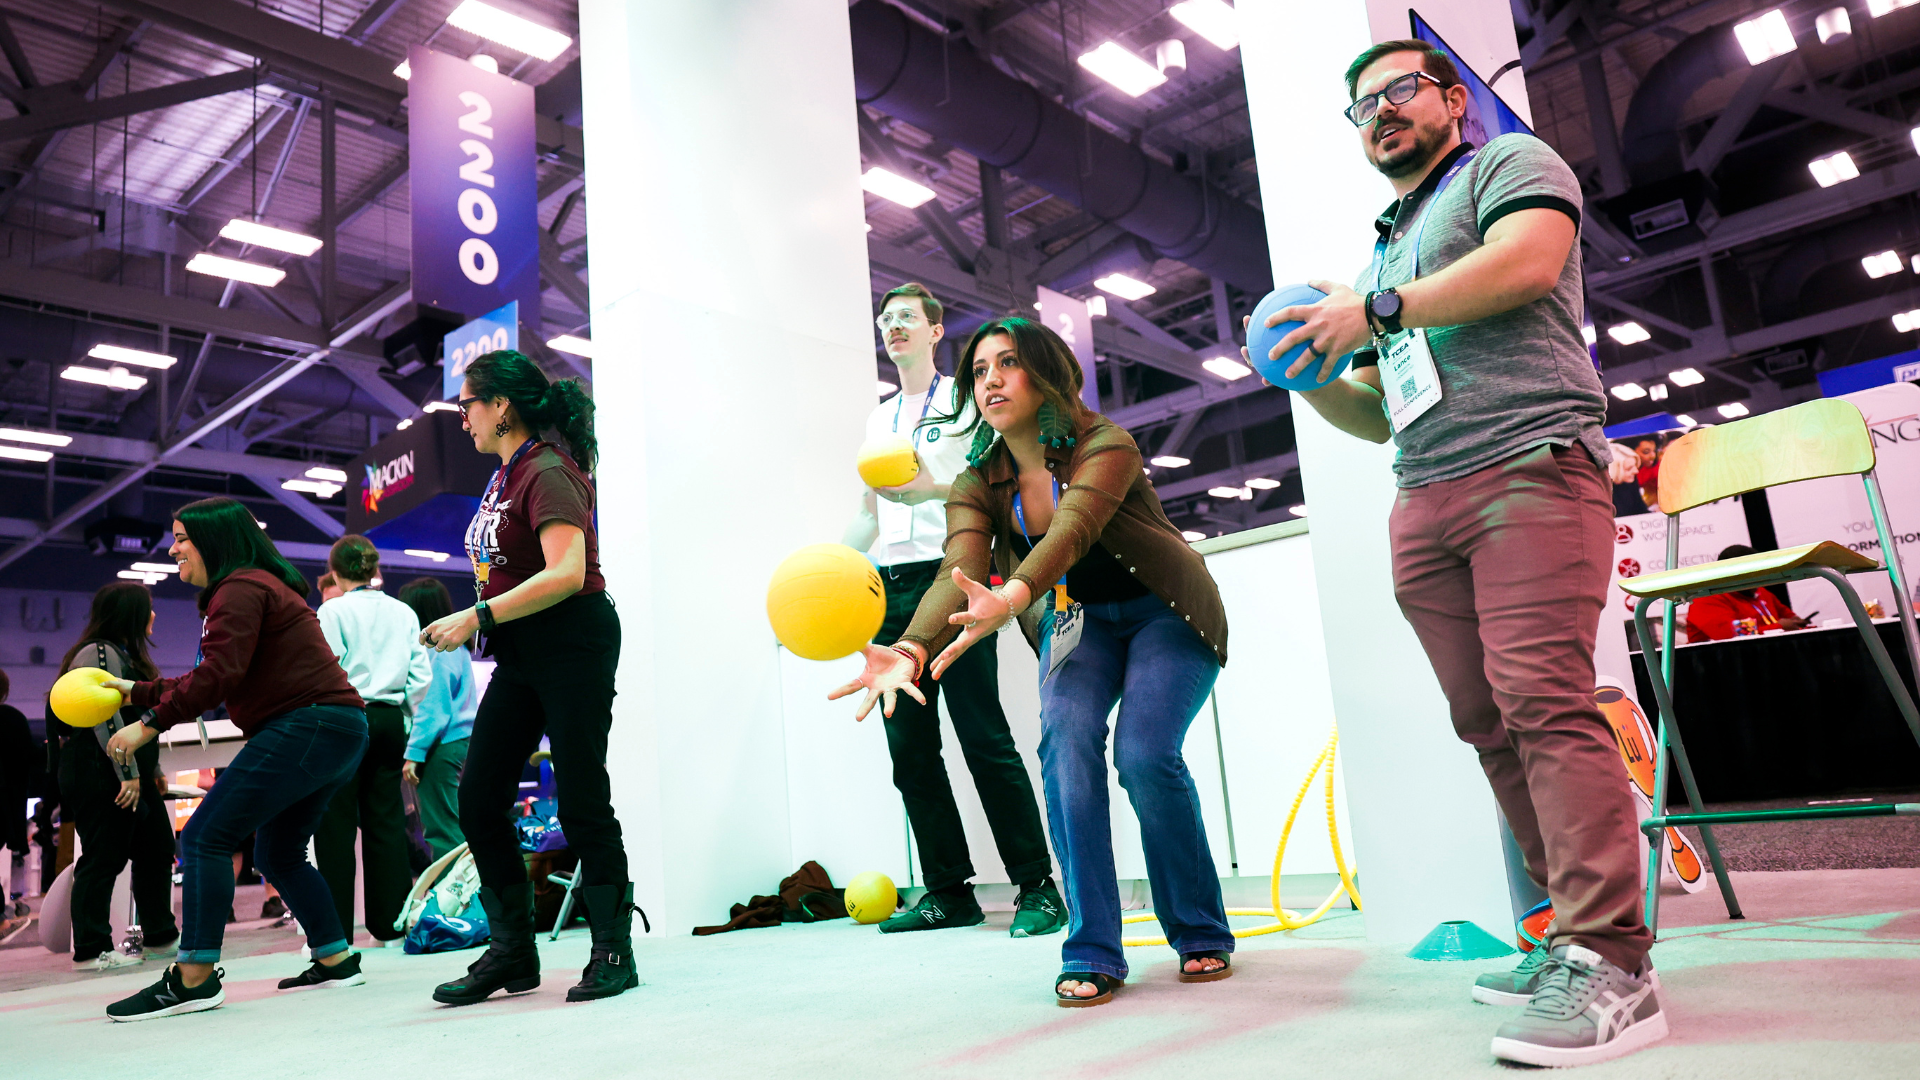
(354, 558)
(560, 405)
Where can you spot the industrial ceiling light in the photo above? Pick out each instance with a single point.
(1764, 37)
(1171, 461)
(1224, 492)
(1124, 287)
(421, 553)
(1877, 8)
(440, 406)
(571, 343)
(516, 33)
(1907, 321)
(251, 273)
(1832, 169)
(1097, 305)
(143, 578)
(1833, 26)
(119, 355)
(484, 62)
(157, 567)
(1628, 333)
(1170, 56)
(1298, 511)
(1629, 391)
(1262, 483)
(405, 70)
(1733, 410)
(327, 473)
(1686, 376)
(1588, 335)
(1657, 392)
(40, 438)
(252, 232)
(404, 424)
(313, 487)
(1211, 19)
(896, 188)
(1192, 537)
(1132, 75)
(1882, 264)
(1229, 370)
(21, 453)
(1687, 421)
(114, 378)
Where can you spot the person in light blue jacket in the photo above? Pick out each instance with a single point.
(437, 746)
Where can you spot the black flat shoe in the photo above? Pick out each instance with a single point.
(1225, 970)
(1106, 983)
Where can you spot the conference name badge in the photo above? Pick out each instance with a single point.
(896, 520)
(1068, 622)
(1408, 378)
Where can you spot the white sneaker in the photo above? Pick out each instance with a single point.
(1584, 1010)
(110, 960)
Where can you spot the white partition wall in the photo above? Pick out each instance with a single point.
(735, 368)
(1424, 822)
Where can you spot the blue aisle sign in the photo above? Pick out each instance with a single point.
(491, 332)
(476, 228)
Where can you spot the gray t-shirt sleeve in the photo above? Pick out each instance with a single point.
(1519, 172)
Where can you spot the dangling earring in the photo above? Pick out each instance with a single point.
(983, 436)
(1056, 430)
(500, 429)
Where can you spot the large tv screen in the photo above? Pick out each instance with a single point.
(1487, 115)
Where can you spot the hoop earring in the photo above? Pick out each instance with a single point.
(500, 429)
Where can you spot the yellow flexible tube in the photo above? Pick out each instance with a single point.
(1283, 918)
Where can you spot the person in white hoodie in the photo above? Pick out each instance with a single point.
(377, 640)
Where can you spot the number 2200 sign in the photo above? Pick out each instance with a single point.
(477, 212)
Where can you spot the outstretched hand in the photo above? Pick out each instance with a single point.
(888, 672)
(987, 611)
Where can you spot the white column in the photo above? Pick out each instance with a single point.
(1425, 828)
(734, 370)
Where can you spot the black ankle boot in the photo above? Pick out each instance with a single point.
(609, 970)
(511, 962)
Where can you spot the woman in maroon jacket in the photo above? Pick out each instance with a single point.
(261, 652)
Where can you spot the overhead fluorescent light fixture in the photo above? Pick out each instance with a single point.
(1628, 333)
(1097, 305)
(440, 406)
(1211, 19)
(1686, 376)
(143, 578)
(1657, 392)
(1833, 25)
(405, 70)
(116, 354)
(1907, 321)
(1629, 391)
(1124, 287)
(221, 266)
(1192, 537)
(1733, 410)
(1833, 169)
(1262, 483)
(328, 473)
(21, 453)
(1589, 335)
(157, 567)
(1298, 511)
(1884, 263)
(404, 424)
(421, 553)
(1877, 8)
(38, 438)
(243, 231)
(1762, 38)
(883, 387)
(1171, 461)
(572, 343)
(117, 378)
(313, 487)
(1687, 421)
(484, 63)
(893, 187)
(1132, 75)
(1229, 370)
(1224, 492)
(516, 33)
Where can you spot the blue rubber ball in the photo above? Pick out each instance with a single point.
(1261, 339)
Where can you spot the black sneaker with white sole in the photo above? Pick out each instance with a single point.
(321, 977)
(938, 911)
(170, 997)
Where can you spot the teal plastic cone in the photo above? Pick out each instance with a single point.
(1458, 939)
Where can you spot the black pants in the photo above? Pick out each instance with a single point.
(554, 677)
(972, 686)
(367, 807)
(109, 838)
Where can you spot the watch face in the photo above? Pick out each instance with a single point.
(1386, 304)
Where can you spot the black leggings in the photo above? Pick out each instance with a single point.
(555, 677)
(109, 839)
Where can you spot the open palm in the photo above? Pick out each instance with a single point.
(986, 612)
(888, 672)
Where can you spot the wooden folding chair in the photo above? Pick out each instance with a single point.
(1819, 438)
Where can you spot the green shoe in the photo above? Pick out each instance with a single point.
(938, 911)
(1514, 987)
(1585, 1010)
(1038, 911)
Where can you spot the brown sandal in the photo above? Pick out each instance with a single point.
(1107, 984)
(1225, 970)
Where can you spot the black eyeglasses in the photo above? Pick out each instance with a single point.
(466, 403)
(1398, 92)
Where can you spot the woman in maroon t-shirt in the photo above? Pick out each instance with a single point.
(547, 622)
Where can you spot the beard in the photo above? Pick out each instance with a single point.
(1417, 157)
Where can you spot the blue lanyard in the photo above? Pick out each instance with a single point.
(499, 482)
(914, 436)
(1380, 245)
(1020, 518)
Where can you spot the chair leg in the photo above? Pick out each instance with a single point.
(566, 904)
(1877, 650)
(1706, 831)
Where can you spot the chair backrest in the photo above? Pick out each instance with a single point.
(1824, 437)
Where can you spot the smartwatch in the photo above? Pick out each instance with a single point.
(486, 617)
(1383, 307)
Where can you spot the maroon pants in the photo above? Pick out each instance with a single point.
(1503, 575)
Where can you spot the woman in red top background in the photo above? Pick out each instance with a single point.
(261, 652)
(1711, 618)
(552, 631)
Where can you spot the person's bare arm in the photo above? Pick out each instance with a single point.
(1353, 405)
(1520, 262)
(864, 529)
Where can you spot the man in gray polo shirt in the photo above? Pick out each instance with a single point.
(1503, 527)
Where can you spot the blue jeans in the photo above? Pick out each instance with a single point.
(1141, 654)
(276, 788)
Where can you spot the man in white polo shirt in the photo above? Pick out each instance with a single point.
(904, 531)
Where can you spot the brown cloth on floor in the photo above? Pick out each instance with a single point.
(806, 895)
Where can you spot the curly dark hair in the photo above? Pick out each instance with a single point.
(558, 404)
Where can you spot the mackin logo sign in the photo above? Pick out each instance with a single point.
(387, 478)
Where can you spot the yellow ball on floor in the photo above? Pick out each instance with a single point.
(871, 897)
(81, 699)
(826, 601)
(888, 461)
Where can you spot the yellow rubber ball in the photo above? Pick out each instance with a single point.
(871, 897)
(826, 601)
(888, 461)
(82, 699)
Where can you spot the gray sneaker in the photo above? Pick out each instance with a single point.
(1514, 987)
(1584, 1010)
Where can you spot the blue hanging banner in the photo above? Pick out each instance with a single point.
(476, 226)
(491, 332)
